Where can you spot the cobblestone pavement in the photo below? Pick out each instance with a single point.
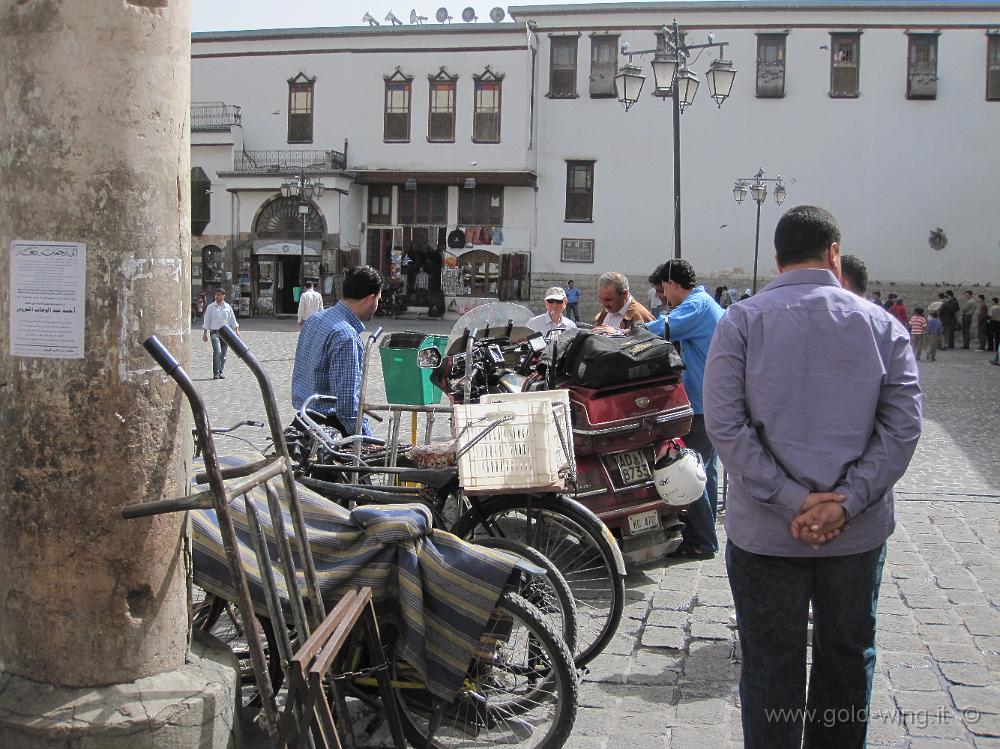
(669, 678)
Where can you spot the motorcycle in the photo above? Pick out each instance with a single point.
(619, 431)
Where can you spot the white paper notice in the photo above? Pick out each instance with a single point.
(47, 299)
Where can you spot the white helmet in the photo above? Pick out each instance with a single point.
(679, 476)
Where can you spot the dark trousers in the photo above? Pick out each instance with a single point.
(992, 335)
(571, 311)
(699, 529)
(949, 333)
(772, 596)
(219, 349)
(966, 330)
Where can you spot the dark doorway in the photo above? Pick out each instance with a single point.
(288, 279)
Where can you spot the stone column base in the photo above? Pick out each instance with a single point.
(194, 706)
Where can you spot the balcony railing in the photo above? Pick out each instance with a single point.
(282, 161)
(214, 115)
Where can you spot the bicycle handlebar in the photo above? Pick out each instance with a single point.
(161, 355)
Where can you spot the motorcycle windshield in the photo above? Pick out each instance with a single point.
(495, 316)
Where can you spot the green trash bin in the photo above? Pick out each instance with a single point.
(405, 382)
(296, 293)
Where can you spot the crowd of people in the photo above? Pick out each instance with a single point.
(808, 391)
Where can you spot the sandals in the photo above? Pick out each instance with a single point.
(686, 551)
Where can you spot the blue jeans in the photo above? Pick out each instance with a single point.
(219, 349)
(699, 529)
(772, 596)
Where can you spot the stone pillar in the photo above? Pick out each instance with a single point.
(95, 149)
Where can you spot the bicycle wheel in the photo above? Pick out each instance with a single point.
(216, 615)
(520, 690)
(579, 545)
(549, 593)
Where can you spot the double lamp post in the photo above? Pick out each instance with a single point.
(305, 189)
(673, 79)
(756, 186)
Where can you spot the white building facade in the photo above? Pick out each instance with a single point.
(496, 158)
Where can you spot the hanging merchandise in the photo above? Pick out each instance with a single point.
(484, 235)
(456, 240)
(497, 235)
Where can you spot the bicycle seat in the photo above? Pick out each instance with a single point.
(435, 478)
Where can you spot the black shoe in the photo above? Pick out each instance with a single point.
(687, 551)
(215, 376)
(221, 376)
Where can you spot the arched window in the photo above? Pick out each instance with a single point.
(281, 219)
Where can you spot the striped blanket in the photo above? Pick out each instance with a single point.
(438, 589)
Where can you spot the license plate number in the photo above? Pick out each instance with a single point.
(633, 467)
(643, 521)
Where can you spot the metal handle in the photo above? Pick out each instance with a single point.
(162, 356)
(233, 341)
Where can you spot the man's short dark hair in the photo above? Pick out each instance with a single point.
(949, 292)
(361, 282)
(855, 271)
(804, 233)
(309, 284)
(918, 310)
(680, 271)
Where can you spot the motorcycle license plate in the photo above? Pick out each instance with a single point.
(643, 521)
(633, 467)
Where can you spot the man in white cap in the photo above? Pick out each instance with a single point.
(552, 318)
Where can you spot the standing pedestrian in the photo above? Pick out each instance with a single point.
(968, 314)
(813, 401)
(898, 311)
(572, 300)
(949, 318)
(918, 326)
(310, 302)
(653, 295)
(876, 298)
(553, 317)
(854, 274)
(933, 336)
(620, 311)
(727, 297)
(218, 314)
(691, 322)
(329, 354)
(993, 326)
(982, 321)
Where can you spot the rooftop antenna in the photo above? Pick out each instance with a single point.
(414, 18)
(442, 15)
(390, 17)
(497, 14)
(369, 19)
(469, 15)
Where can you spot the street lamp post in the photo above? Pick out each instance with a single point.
(674, 79)
(757, 187)
(305, 189)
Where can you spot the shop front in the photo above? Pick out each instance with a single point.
(275, 267)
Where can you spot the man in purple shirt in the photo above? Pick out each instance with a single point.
(813, 403)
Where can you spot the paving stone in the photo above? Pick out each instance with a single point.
(675, 600)
(593, 694)
(923, 601)
(988, 644)
(664, 637)
(654, 668)
(986, 725)
(712, 614)
(906, 679)
(703, 712)
(926, 743)
(944, 633)
(981, 700)
(968, 597)
(934, 616)
(967, 674)
(667, 618)
(607, 668)
(636, 610)
(903, 624)
(895, 641)
(961, 581)
(685, 737)
(943, 651)
(716, 597)
(707, 631)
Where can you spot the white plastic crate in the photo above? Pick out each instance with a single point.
(560, 410)
(521, 453)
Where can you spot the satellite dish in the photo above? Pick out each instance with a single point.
(414, 18)
(497, 14)
(369, 19)
(390, 17)
(469, 15)
(442, 16)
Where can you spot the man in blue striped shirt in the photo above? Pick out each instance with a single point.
(329, 354)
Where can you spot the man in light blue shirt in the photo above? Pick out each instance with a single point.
(812, 399)
(329, 354)
(691, 323)
(218, 314)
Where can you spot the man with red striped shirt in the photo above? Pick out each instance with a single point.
(918, 326)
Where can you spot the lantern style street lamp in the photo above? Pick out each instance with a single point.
(674, 80)
(756, 186)
(305, 189)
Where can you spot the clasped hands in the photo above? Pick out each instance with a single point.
(820, 519)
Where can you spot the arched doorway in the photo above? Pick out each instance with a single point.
(284, 227)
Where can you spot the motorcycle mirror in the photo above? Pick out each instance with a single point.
(429, 358)
(537, 342)
(510, 327)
